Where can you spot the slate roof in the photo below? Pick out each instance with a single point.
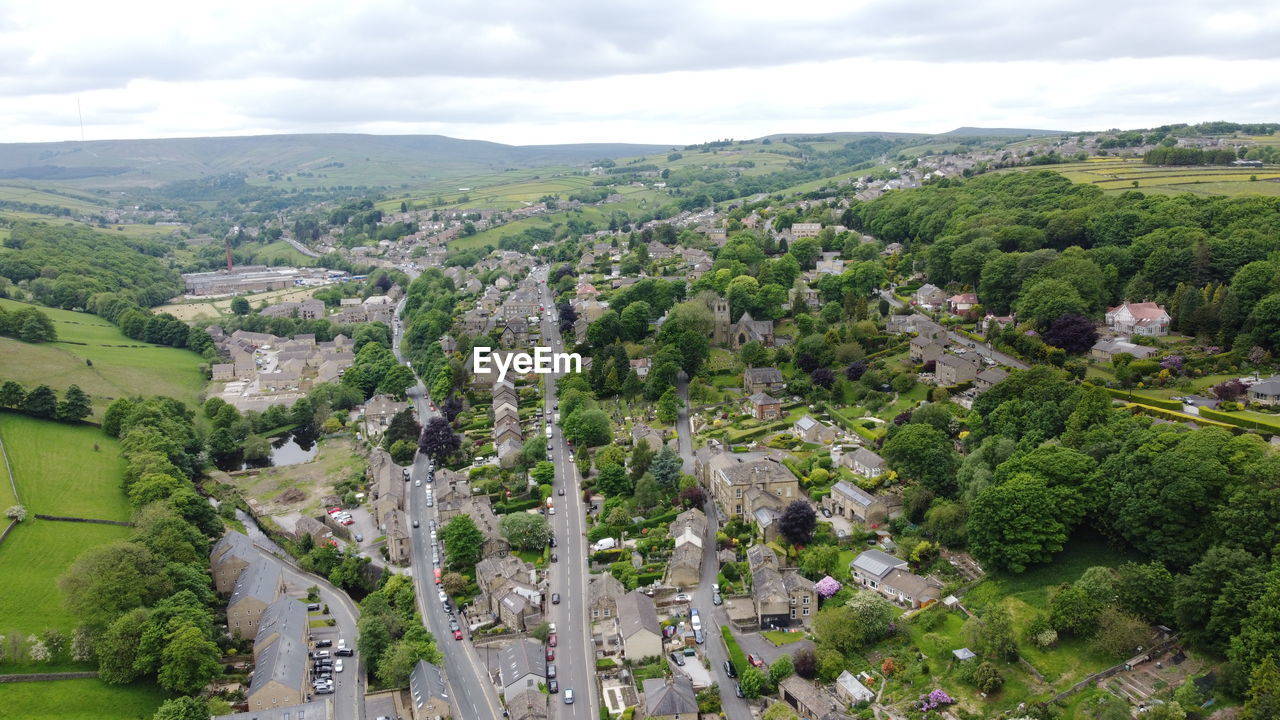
(284, 661)
(261, 580)
(876, 563)
(763, 375)
(232, 545)
(285, 616)
(865, 457)
(521, 658)
(853, 494)
(636, 612)
(426, 682)
(315, 710)
(669, 697)
(762, 398)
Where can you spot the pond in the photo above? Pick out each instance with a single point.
(289, 449)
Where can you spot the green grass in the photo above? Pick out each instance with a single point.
(270, 253)
(780, 638)
(57, 472)
(736, 656)
(79, 700)
(1033, 586)
(121, 366)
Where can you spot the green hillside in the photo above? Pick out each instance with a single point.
(120, 366)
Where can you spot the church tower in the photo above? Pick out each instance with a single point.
(720, 310)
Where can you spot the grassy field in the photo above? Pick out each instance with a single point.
(214, 309)
(79, 700)
(36, 196)
(120, 367)
(271, 253)
(1119, 175)
(57, 472)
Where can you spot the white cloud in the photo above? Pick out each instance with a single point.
(656, 71)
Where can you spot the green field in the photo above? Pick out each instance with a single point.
(271, 253)
(1119, 175)
(61, 198)
(79, 700)
(58, 473)
(121, 366)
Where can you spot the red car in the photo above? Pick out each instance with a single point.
(551, 654)
(335, 510)
(755, 660)
(551, 639)
(457, 634)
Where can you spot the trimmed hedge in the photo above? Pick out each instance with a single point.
(736, 656)
(643, 579)
(1130, 396)
(509, 506)
(1244, 422)
(1176, 416)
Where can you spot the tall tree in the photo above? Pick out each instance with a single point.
(438, 440)
(798, 522)
(463, 543)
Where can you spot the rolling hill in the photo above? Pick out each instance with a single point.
(340, 158)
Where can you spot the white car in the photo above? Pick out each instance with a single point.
(417, 483)
(337, 665)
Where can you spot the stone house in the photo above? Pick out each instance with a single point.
(638, 626)
(256, 588)
(924, 349)
(1146, 318)
(952, 370)
(232, 553)
(428, 692)
(763, 380)
(669, 699)
(810, 430)
(865, 463)
(854, 504)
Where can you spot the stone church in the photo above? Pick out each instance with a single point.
(734, 335)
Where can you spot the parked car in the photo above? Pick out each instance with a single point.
(345, 652)
(561, 492)
(826, 512)
(313, 607)
(698, 637)
(755, 660)
(682, 597)
(320, 654)
(415, 523)
(327, 690)
(551, 654)
(678, 659)
(457, 634)
(728, 669)
(551, 640)
(715, 599)
(554, 558)
(324, 643)
(359, 538)
(737, 690)
(551, 670)
(555, 598)
(553, 686)
(417, 483)
(337, 666)
(552, 542)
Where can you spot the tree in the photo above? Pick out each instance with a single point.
(544, 473)
(106, 581)
(781, 669)
(42, 402)
(818, 561)
(397, 381)
(1072, 611)
(924, 454)
(1264, 692)
(438, 440)
(779, 711)
(588, 428)
(1015, 524)
(1259, 634)
(463, 542)
(668, 407)
(692, 497)
(1144, 590)
(525, 531)
(189, 661)
(75, 405)
(239, 305)
(798, 522)
(753, 682)
(1119, 633)
(864, 619)
(1045, 300)
(666, 468)
(183, 708)
(987, 677)
(403, 426)
(1074, 333)
(648, 494)
(453, 583)
(117, 647)
(613, 481)
(806, 663)
(995, 634)
(12, 395)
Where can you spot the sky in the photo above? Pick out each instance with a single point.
(657, 71)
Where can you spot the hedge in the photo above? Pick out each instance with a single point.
(1175, 416)
(736, 656)
(892, 350)
(509, 506)
(662, 519)
(643, 579)
(756, 431)
(1238, 421)
(1130, 396)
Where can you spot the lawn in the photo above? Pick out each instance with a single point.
(270, 253)
(80, 700)
(58, 472)
(780, 638)
(1082, 552)
(121, 366)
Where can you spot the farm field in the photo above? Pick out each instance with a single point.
(214, 309)
(57, 472)
(121, 366)
(80, 700)
(36, 196)
(1119, 175)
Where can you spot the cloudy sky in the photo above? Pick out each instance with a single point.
(662, 71)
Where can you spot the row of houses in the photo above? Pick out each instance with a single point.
(508, 436)
(388, 490)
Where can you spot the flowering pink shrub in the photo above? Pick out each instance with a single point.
(827, 587)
